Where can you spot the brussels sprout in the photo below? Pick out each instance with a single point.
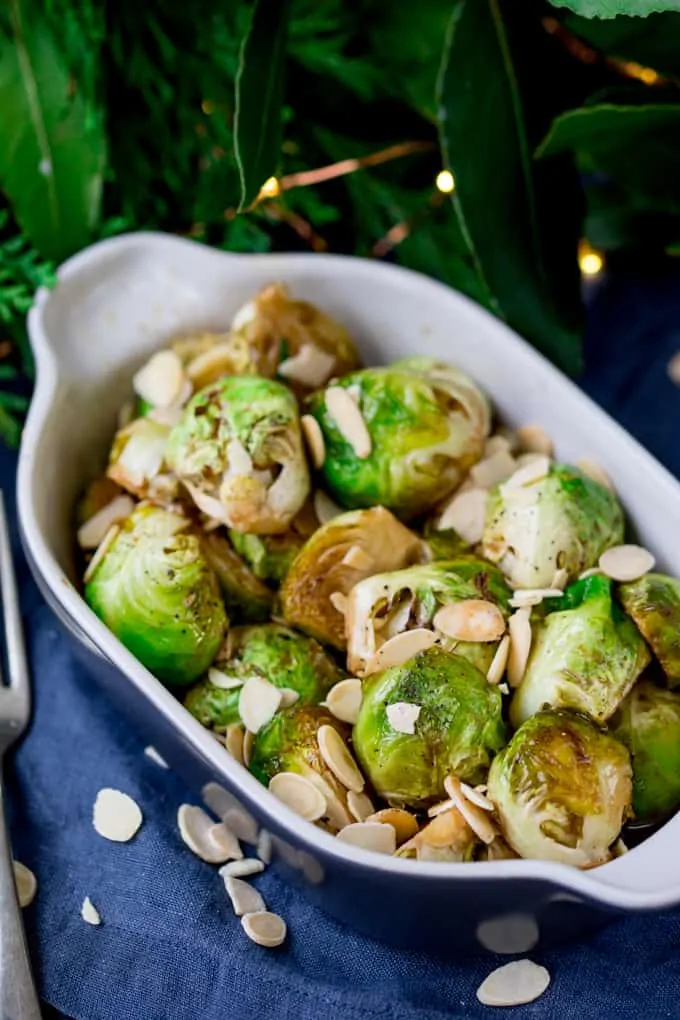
(586, 654)
(648, 723)
(342, 552)
(654, 603)
(427, 423)
(458, 730)
(276, 653)
(238, 449)
(383, 605)
(247, 599)
(443, 545)
(562, 789)
(562, 520)
(268, 556)
(156, 591)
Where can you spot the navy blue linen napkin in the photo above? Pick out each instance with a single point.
(169, 947)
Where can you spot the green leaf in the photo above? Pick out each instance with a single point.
(612, 8)
(259, 96)
(652, 42)
(52, 144)
(514, 235)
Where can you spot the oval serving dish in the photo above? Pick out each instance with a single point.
(118, 301)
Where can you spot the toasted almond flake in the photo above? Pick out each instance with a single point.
(155, 757)
(591, 572)
(102, 549)
(160, 380)
(239, 460)
(375, 836)
(248, 741)
(535, 470)
(400, 648)
(242, 824)
(264, 846)
(344, 699)
(244, 899)
(465, 514)
(441, 808)
(349, 420)
(314, 439)
(500, 661)
(360, 806)
(596, 473)
(234, 741)
(324, 507)
(533, 596)
(520, 645)
(560, 578)
(514, 984)
(264, 928)
(493, 469)
(288, 697)
(338, 601)
(476, 797)
(476, 818)
(89, 912)
(207, 367)
(497, 444)
(213, 843)
(357, 558)
(222, 680)
(503, 688)
(335, 753)
(26, 883)
(403, 822)
(310, 366)
(402, 716)
(445, 829)
(241, 869)
(673, 368)
(470, 620)
(116, 816)
(299, 795)
(258, 702)
(534, 439)
(93, 531)
(626, 562)
(337, 815)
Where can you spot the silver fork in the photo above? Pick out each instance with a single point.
(18, 998)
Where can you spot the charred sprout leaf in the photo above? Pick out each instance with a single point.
(586, 655)
(654, 603)
(563, 520)
(562, 789)
(247, 599)
(458, 730)
(427, 424)
(156, 591)
(326, 565)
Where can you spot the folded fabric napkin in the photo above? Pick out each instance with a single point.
(169, 947)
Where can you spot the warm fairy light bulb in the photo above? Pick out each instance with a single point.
(445, 181)
(270, 188)
(589, 260)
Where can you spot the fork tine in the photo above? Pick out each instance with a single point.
(18, 678)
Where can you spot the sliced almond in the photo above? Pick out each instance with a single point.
(476, 818)
(402, 716)
(466, 514)
(314, 439)
(535, 470)
(357, 558)
(258, 702)
(222, 680)
(208, 366)
(102, 549)
(239, 460)
(497, 444)
(596, 473)
(470, 620)
(520, 645)
(500, 661)
(242, 869)
(213, 843)
(26, 883)
(441, 808)
(160, 381)
(335, 754)
(401, 648)
(246, 314)
(534, 439)
(360, 806)
(153, 754)
(626, 562)
(264, 928)
(514, 984)
(344, 700)
(116, 816)
(348, 420)
(234, 741)
(445, 828)
(288, 697)
(299, 794)
(376, 836)
(93, 531)
(248, 741)
(310, 366)
(493, 469)
(89, 912)
(476, 797)
(560, 578)
(324, 507)
(533, 596)
(244, 899)
(403, 822)
(338, 601)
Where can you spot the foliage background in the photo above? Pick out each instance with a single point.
(559, 122)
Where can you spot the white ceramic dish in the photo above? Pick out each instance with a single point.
(118, 301)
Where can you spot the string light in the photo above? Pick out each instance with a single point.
(589, 260)
(445, 182)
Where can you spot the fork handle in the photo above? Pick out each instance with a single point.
(18, 997)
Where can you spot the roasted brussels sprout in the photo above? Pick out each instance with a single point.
(559, 520)
(383, 605)
(457, 731)
(654, 603)
(401, 436)
(238, 450)
(648, 723)
(284, 658)
(156, 591)
(586, 655)
(342, 552)
(268, 556)
(562, 789)
(443, 545)
(247, 599)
